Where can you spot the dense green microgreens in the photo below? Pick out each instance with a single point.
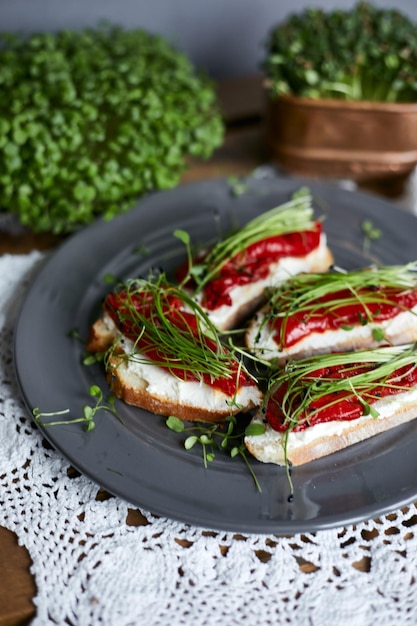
(90, 120)
(89, 412)
(179, 346)
(293, 216)
(304, 293)
(227, 436)
(362, 53)
(304, 386)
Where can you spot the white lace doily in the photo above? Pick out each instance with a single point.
(92, 566)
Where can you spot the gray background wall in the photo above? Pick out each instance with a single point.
(223, 37)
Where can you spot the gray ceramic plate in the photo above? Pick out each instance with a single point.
(144, 462)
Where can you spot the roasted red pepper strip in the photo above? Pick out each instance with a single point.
(253, 264)
(300, 324)
(119, 307)
(343, 405)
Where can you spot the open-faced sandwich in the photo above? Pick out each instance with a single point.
(229, 280)
(322, 404)
(336, 312)
(164, 355)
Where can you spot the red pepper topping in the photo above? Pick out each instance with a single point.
(130, 311)
(253, 264)
(343, 405)
(389, 303)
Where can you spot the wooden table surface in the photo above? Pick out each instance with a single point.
(243, 150)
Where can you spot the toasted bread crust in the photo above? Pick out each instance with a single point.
(137, 395)
(101, 336)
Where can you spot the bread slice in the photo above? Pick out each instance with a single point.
(336, 311)
(320, 405)
(137, 381)
(102, 334)
(246, 299)
(229, 279)
(324, 439)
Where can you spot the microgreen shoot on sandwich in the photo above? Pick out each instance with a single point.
(306, 387)
(304, 294)
(168, 328)
(360, 375)
(296, 215)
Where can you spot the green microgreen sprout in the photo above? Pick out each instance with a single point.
(142, 250)
(90, 358)
(371, 233)
(184, 237)
(109, 279)
(295, 215)
(363, 372)
(378, 335)
(196, 349)
(237, 185)
(304, 295)
(74, 333)
(89, 412)
(227, 436)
